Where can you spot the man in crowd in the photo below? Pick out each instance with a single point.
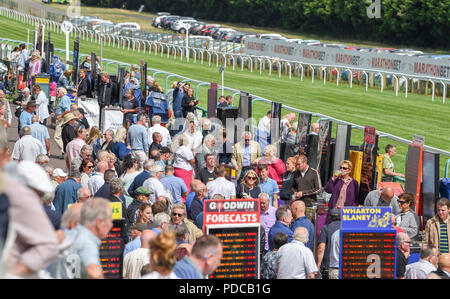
(40, 132)
(443, 272)
(246, 155)
(264, 131)
(83, 194)
(284, 219)
(295, 260)
(209, 143)
(137, 138)
(130, 106)
(141, 196)
(27, 115)
(388, 165)
(153, 183)
(221, 185)
(306, 182)
(403, 250)
(324, 242)
(74, 147)
(141, 178)
(383, 198)
(174, 184)
(157, 127)
(63, 107)
(58, 177)
(312, 145)
(268, 216)
(286, 125)
(97, 180)
(179, 216)
(437, 229)
(298, 211)
(107, 93)
(208, 173)
(197, 203)
(270, 259)
(67, 192)
(85, 155)
(68, 129)
(135, 260)
(427, 264)
(27, 148)
(268, 185)
(204, 259)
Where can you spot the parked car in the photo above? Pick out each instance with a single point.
(207, 30)
(335, 45)
(221, 32)
(270, 36)
(195, 30)
(167, 21)
(131, 25)
(156, 22)
(294, 40)
(311, 42)
(182, 24)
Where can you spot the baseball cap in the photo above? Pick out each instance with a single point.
(142, 190)
(59, 172)
(34, 176)
(335, 212)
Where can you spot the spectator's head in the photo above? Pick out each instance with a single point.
(142, 194)
(34, 119)
(141, 119)
(156, 171)
(206, 124)
(49, 169)
(60, 92)
(71, 217)
(182, 232)
(284, 214)
(96, 216)
(26, 131)
(162, 252)
(251, 178)
(115, 187)
(443, 207)
(346, 168)
(109, 175)
(148, 164)
(42, 159)
(220, 171)
(301, 235)
(315, 127)
(335, 214)
(264, 201)
(429, 253)
(160, 207)
(170, 170)
(137, 229)
(81, 132)
(31, 106)
(87, 166)
(207, 253)
(391, 150)
(162, 220)
(403, 242)
(109, 135)
(218, 196)
(121, 135)
(200, 190)
(178, 213)
(209, 141)
(102, 166)
(444, 262)
(298, 208)
(94, 133)
(290, 164)
(105, 77)
(301, 163)
(146, 236)
(157, 137)
(270, 151)
(406, 201)
(36, 89)
(83, 194)
(263, 171)
(279, 240)
(247, 137)
(210, 160)
(156, 120)
(229, 100)
(86, 152)
(145, 213)
(387, 194)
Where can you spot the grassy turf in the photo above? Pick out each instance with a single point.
(399, 116)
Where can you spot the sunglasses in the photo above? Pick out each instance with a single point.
(177, 214)
(401, 201)
(90, 167)
(344, 168)
(251, 178)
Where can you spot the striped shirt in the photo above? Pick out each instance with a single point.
(187, 269)
(443, 237)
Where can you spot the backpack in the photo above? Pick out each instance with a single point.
(57, 68)
(158, 104)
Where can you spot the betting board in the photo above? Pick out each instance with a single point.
(368, 254)
(111, 251)
(240, 245)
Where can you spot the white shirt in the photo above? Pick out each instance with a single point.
(42, 106)
(156, 275)
(419, 270)
(182, 157)
(166, 139)
(221, 186)
(335, 249)
(27, 148)
(134, 261)
(264, 124)
(295, 261)
(195, 139)
(96, 182)
(155, 186)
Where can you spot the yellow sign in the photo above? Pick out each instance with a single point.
(42, 81)
(116, 208)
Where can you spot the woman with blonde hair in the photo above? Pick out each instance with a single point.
(276, 167)
(249, 186)
(162, 256)
(343, 188)
(95, 140)
(120, 149)
(35, 65)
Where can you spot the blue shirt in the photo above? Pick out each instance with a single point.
(86, 246)
(306, 223)
(40, 132)
(279, 227)
(133, 245)
(63, 105)
(186, 269)
(199, 221)
(247, 156)
(175, 185)
(138, 139)
(270, 187)
(65, 194)
(138, 182)
(25, 119)
(189, 199)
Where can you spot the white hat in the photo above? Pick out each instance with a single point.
(34, 176)
(59, 172)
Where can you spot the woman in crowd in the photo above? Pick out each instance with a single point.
(119, 147)
(191, 131)
(3, 108)
(129, 168)
(108, 143)
(41, 104)
(145, 214)
(184, 161)
(83, 86)
(275, 164)
(188, 103)
(113, 164)
(286, 192)
(407, 219)
(64, 79)
(35, 65)
(162, 256)
(343, 188)
(249, 186)
(95, 140)
(86, 169)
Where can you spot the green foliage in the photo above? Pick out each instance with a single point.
(423, 23)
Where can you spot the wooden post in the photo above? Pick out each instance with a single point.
(371, 81)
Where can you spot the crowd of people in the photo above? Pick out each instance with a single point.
(161, 170)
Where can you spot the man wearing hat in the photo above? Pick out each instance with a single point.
(142, 195)
(154, 184)
(27, 147)
(324, 243)
(27, 115)
(157, 127)
(58, 177)
(68, 131)
(61, 110)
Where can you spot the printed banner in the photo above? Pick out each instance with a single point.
(371, 218)
(376, 62)
(239, 211)
(111, 119)
(92, 111)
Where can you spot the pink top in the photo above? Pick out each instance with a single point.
(275, 170)
(73, 148)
